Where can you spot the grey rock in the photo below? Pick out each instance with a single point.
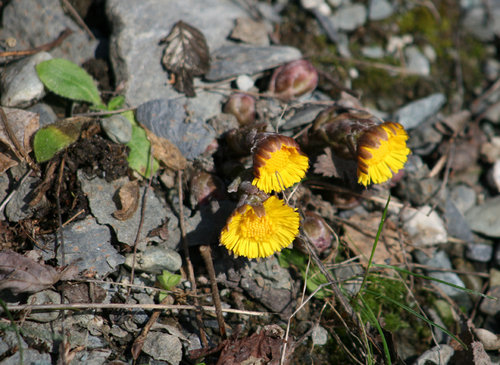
(250, 31)
(101, 194)
(33, 24)
(118, 128)
(493, 176)
(18, 207)
(88, 246)
(349, 17)
(30, 356)
(9, 340)
(438, 355)
(346, 274)
(456, 224)
(167, 119)
(485, 218)
(20, 84)
(95, 357)
(425, 137)
(480, 252)
(373, 52)
(483, 21)
(269, 283)
(136, 54)
(162, 346)
(440, 260)
(380, 9)
(425, 227)
(319, 336)
(155, 259)
(463, 197)
(302, 116)
(45, 112)
(411, 115)
(491, 69)
(238, 59)
(416, 61)
(44, 297)
(44, 334)
(491, 307)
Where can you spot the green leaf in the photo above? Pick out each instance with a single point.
(139, 157)
(55, 137)
(68, 80)
(116, 102)
(168, 280)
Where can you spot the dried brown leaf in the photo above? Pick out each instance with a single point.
(166, 152)
(128, 196)
(186, 55)
(324, 165)
(21, 274)
(360, 236)
(16, 130)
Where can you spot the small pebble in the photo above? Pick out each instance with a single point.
(118, 128)
(480, 252)
(44, 297)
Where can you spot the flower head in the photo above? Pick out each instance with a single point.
(293, 79)
(256, 233)
(278, 163)
(381, 152)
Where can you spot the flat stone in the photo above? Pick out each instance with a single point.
(46, 113)
(480, 252)
(319, 336)
(101, 193)
(163, 346)
(441, 260)
(118, 128)
(380, 9)
(456, 224)
(424, 227)
(463, 197)
(30, 356)
(416, 61)
(167, 119)
(20, 83)
(88, 246)
(491, 307)
(34, 23)
(414, 113)
(373, 52)
(349, 17)
(155, 259)
(136, 52)
(438, 355)
(238, 59)
(44, 297)
(485, 218)
(18, 207)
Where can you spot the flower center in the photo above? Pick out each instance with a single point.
(255, 227)
(279, 160)
(380, 153)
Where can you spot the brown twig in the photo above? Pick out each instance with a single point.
(45, 47)
(78, 18)
(189, 264)
(139, 341)
(92, 306)
(206, 253)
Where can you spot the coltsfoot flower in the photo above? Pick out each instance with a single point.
(382, 152)
(256, 232)
(379, 149)
(278, 163)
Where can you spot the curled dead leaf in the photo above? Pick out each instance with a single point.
(21, 274)
(166, 152)
(128, 196)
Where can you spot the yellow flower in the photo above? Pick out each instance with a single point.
(382, 152)
(278, 163)
(260, 233)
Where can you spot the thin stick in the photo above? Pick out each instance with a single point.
(78, 18)
(45, 47)
(92, 306)
(189, 264)
(207, 257)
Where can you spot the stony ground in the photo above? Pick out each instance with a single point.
(94, 229)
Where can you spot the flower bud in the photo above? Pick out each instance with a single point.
(293, 79)
(315, 229)
(242, 106)
(205, 186)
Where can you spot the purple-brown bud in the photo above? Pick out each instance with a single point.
(293, 79)
(242, 106)
(205, 186)
(316, 230)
